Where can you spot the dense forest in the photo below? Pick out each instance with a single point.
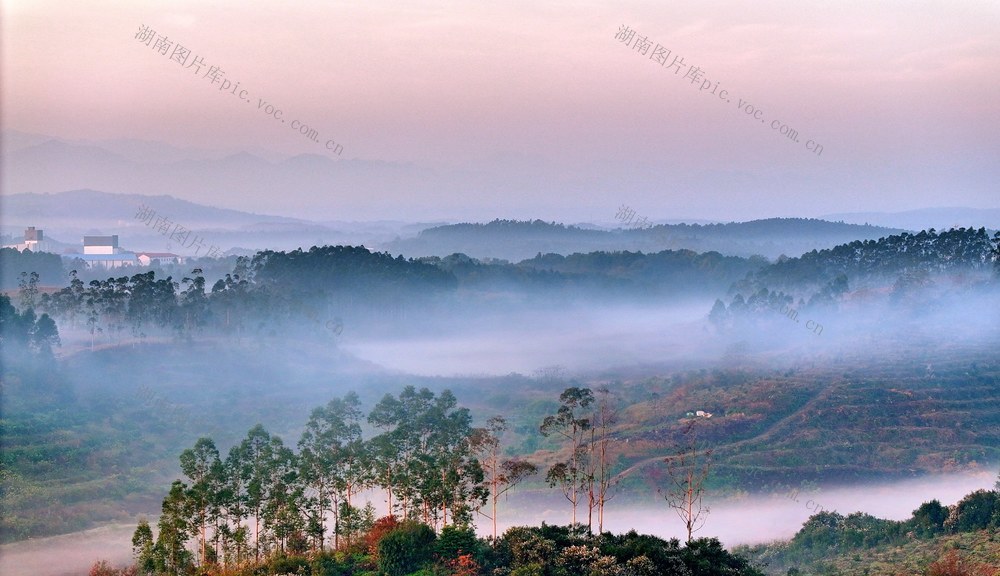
(275, 289)
(272, 290)
(15, 264)
(879, 261)
(919, 271)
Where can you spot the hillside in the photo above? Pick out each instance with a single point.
(962, 539)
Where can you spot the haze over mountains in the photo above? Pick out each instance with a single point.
(86, 187)
(68, 215)
(318, 187)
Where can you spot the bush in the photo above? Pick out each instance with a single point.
(406, 549)
(929, 518)
(977, 511)
(104, 568)
(328, 564)
(378, 531)
(455, 541)
(287, 565)
(664, 555)
(707, 557)
(464, 565)
(528, 570)
(951, 565)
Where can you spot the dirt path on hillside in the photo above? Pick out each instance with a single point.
(765, 435)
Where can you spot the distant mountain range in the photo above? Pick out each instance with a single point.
(70, 215)
(518, 240)
(317, 185)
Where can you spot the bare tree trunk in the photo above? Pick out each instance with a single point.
(204, 530)
(496, 483)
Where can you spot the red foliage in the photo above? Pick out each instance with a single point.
(464, 565)
(104, 568)
(951, 565)
(382, 526)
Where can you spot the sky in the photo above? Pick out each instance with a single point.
(893, 103)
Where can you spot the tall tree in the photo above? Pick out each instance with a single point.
(44, 335)
(28, 290)
(423, 456)
(605, 416)
(328, 448)
(174, 529)
(501, 475)
(385, 454)
(193, 306)
(569, 424)
(201, 465)
(996, 253)
(283, 493)
(255, 461)
(142, 547)
(234, 500)
(687, 471)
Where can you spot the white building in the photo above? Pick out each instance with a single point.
(147, 258)
(34, 240)
(101, 245)
(104, 260)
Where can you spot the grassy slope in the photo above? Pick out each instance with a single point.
(914, 557)
(848, 419)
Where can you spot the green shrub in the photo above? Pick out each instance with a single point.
(977, 511)
(328, 564)
(456, 540)
(929, 518)
(288, 565)
(407, 548)
(528, 570)
(664, 555)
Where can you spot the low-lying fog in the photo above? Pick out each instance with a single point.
(586, 336)
(582, 338)
(754, 519)
(760, 518)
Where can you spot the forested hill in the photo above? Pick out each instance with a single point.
(516, 240)
(877, 262)
(346, 269)
(603, 274)
(914, 272)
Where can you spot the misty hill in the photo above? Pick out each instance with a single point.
(902, 280)
(925, 218)
(74, 213)
(103, 209)
(877, 262)
(936, 539)
(516, 240)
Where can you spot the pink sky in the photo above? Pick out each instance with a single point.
(902, 95)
